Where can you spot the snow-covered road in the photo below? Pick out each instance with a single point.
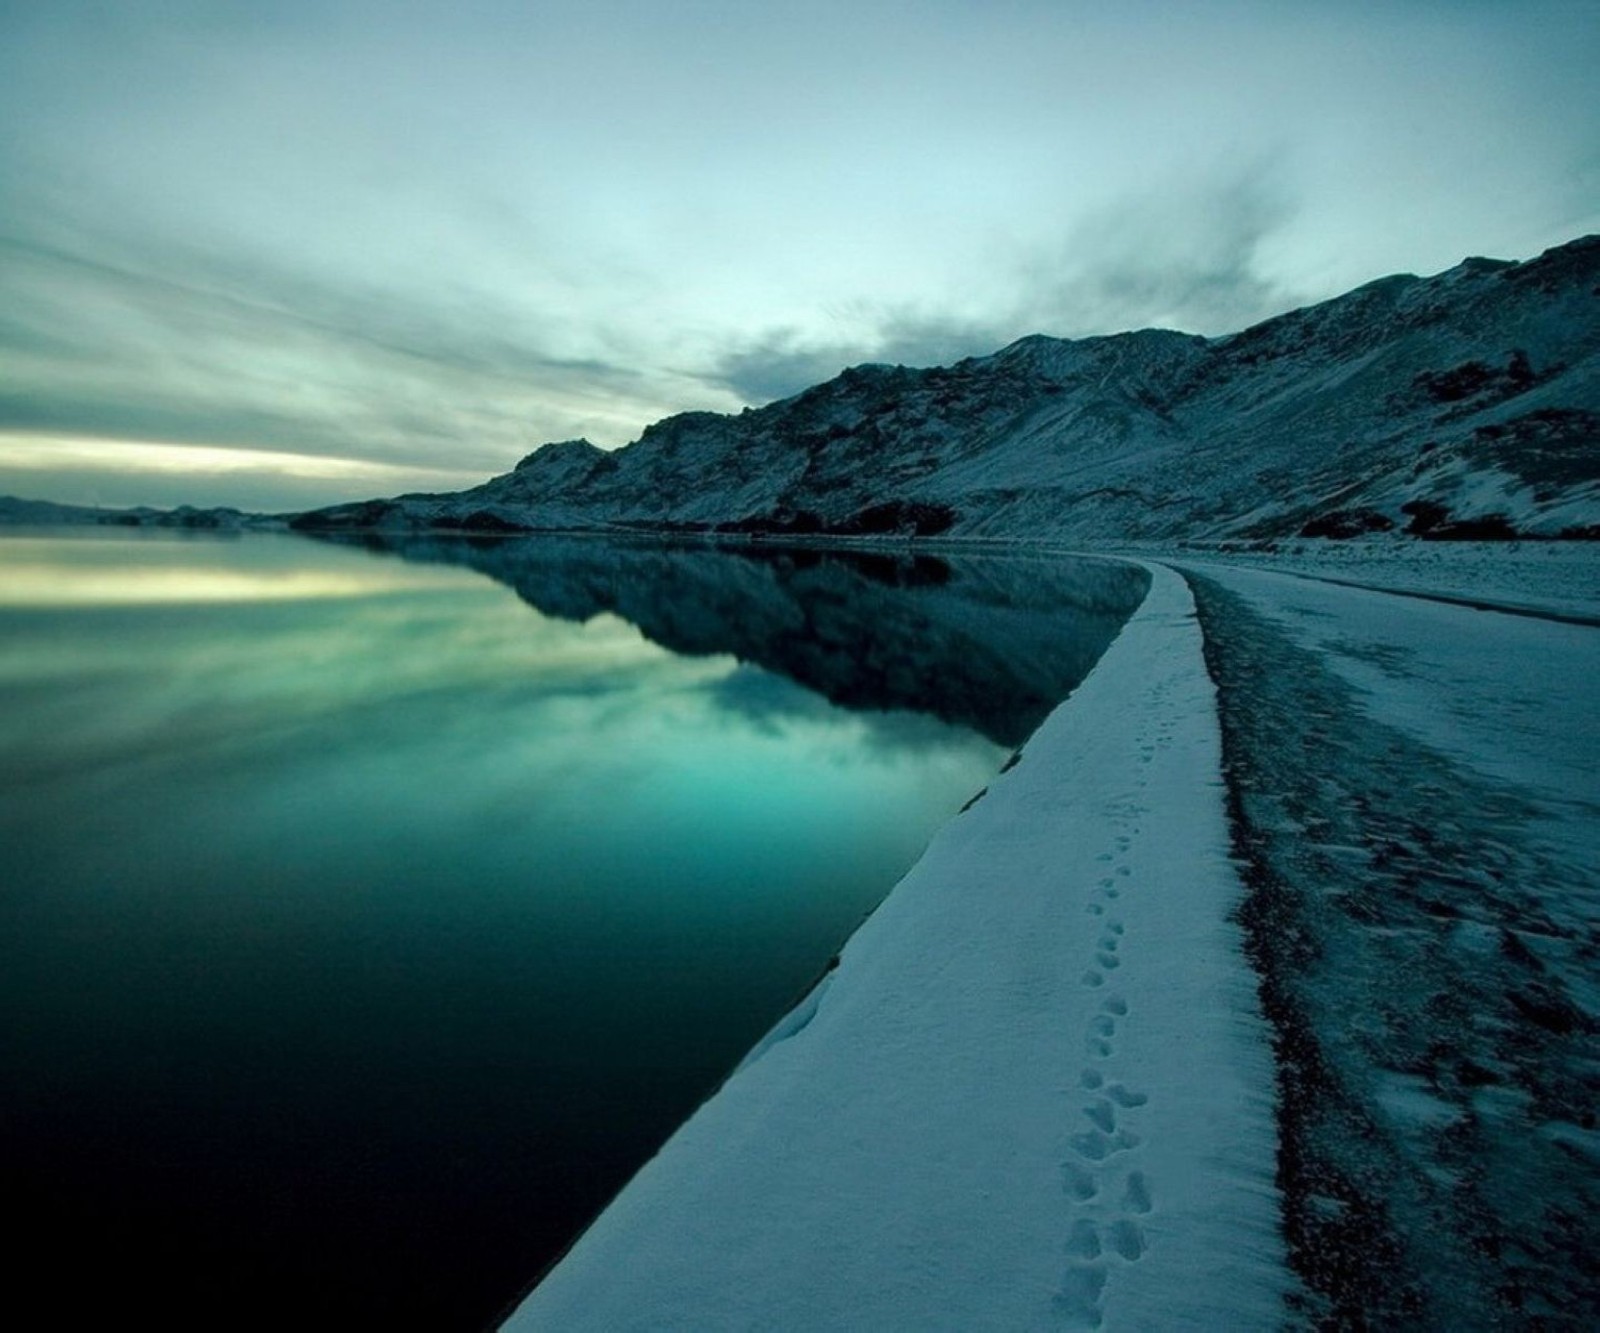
(1136, 1047)
(1417, 801)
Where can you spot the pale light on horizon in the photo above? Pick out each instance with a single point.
(74, 453)
(83, 466)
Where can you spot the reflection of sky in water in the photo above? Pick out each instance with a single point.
(486, 898)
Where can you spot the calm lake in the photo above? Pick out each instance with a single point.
(371, 913)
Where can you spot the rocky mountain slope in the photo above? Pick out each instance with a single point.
(1461, 405)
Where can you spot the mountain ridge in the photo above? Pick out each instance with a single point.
(1465, 404)
(16, 511)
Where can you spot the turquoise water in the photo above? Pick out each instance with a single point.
(371, 914)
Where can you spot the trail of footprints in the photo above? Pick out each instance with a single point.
(1101, 1176)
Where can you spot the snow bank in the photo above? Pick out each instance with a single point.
(1034, 1092)
(1560, 579)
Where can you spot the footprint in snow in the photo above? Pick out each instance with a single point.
(1102, 1116)
(1084, 1240)
(1136, 1193)
(1127, 1239)
(1096, 1145)
(1115, 1004)
(1126, 1098)
(1109, 961)
(1093, 978)
(1078, 1183)
(1079, 1298)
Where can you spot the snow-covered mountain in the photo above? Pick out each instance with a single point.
(1464, 404)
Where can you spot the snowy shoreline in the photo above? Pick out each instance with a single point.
(1035, 1089)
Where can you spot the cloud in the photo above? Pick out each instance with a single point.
(161, 339)
(1182, 256)
(783, 362)
(154, 337)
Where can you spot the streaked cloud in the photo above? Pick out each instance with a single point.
(72, 453)
(121, 472)
(152, 339)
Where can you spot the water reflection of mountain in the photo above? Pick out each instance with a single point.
(989, 642)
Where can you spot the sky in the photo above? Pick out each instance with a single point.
(281, 254)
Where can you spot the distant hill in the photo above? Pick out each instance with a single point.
(16, 512)
(1464, 404)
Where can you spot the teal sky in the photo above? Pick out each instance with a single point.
(281, 254)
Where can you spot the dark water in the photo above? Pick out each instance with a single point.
(367, 920)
